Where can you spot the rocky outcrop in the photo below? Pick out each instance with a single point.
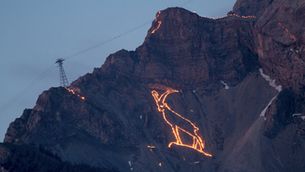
(280, 43)
(279, 35)
(251, 7)
(109, 118)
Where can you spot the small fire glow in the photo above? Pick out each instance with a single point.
(162, 106)
(243, 17)
(75, 92)
(159, 22)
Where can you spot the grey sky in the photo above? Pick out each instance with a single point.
(34, 33)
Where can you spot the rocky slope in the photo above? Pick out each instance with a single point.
(21, 158)
(249, 122)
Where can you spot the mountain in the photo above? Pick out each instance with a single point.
(199, 94)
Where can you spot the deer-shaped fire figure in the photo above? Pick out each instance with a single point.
(166, 111)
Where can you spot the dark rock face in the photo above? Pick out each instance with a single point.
(280, 43)
(279, 34)
(285, 108)
(251, 7)
(214, 66)
(28, 158)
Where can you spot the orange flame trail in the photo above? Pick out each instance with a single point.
(159, 22)
(75, 92)
(198, 143)
(243, 17)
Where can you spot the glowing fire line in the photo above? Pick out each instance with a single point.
(74, 92)
(159, 22)
(198, 143)
(243, 17)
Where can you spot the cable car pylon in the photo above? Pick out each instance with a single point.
(62, 75)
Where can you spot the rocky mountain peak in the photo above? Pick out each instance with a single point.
(226, 74)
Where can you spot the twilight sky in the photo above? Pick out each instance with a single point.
(33, 33)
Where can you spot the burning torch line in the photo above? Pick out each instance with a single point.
(157, 28)
(196, 129)
(198, 143)
(75, 93)
(159, 22)
(244, 17)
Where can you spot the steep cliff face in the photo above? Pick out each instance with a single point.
(279, 35)
(251, 7)
(280, 43)
(110, 119)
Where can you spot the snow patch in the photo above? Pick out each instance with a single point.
(296, 114)
(130, 165)
(272, 83)
(263, 113)
(270, 80)
(225, 84)
(299, 115)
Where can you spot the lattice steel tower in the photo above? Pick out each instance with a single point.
(63, 78)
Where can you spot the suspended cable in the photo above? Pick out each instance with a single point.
(106, 41)
(115, 37)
